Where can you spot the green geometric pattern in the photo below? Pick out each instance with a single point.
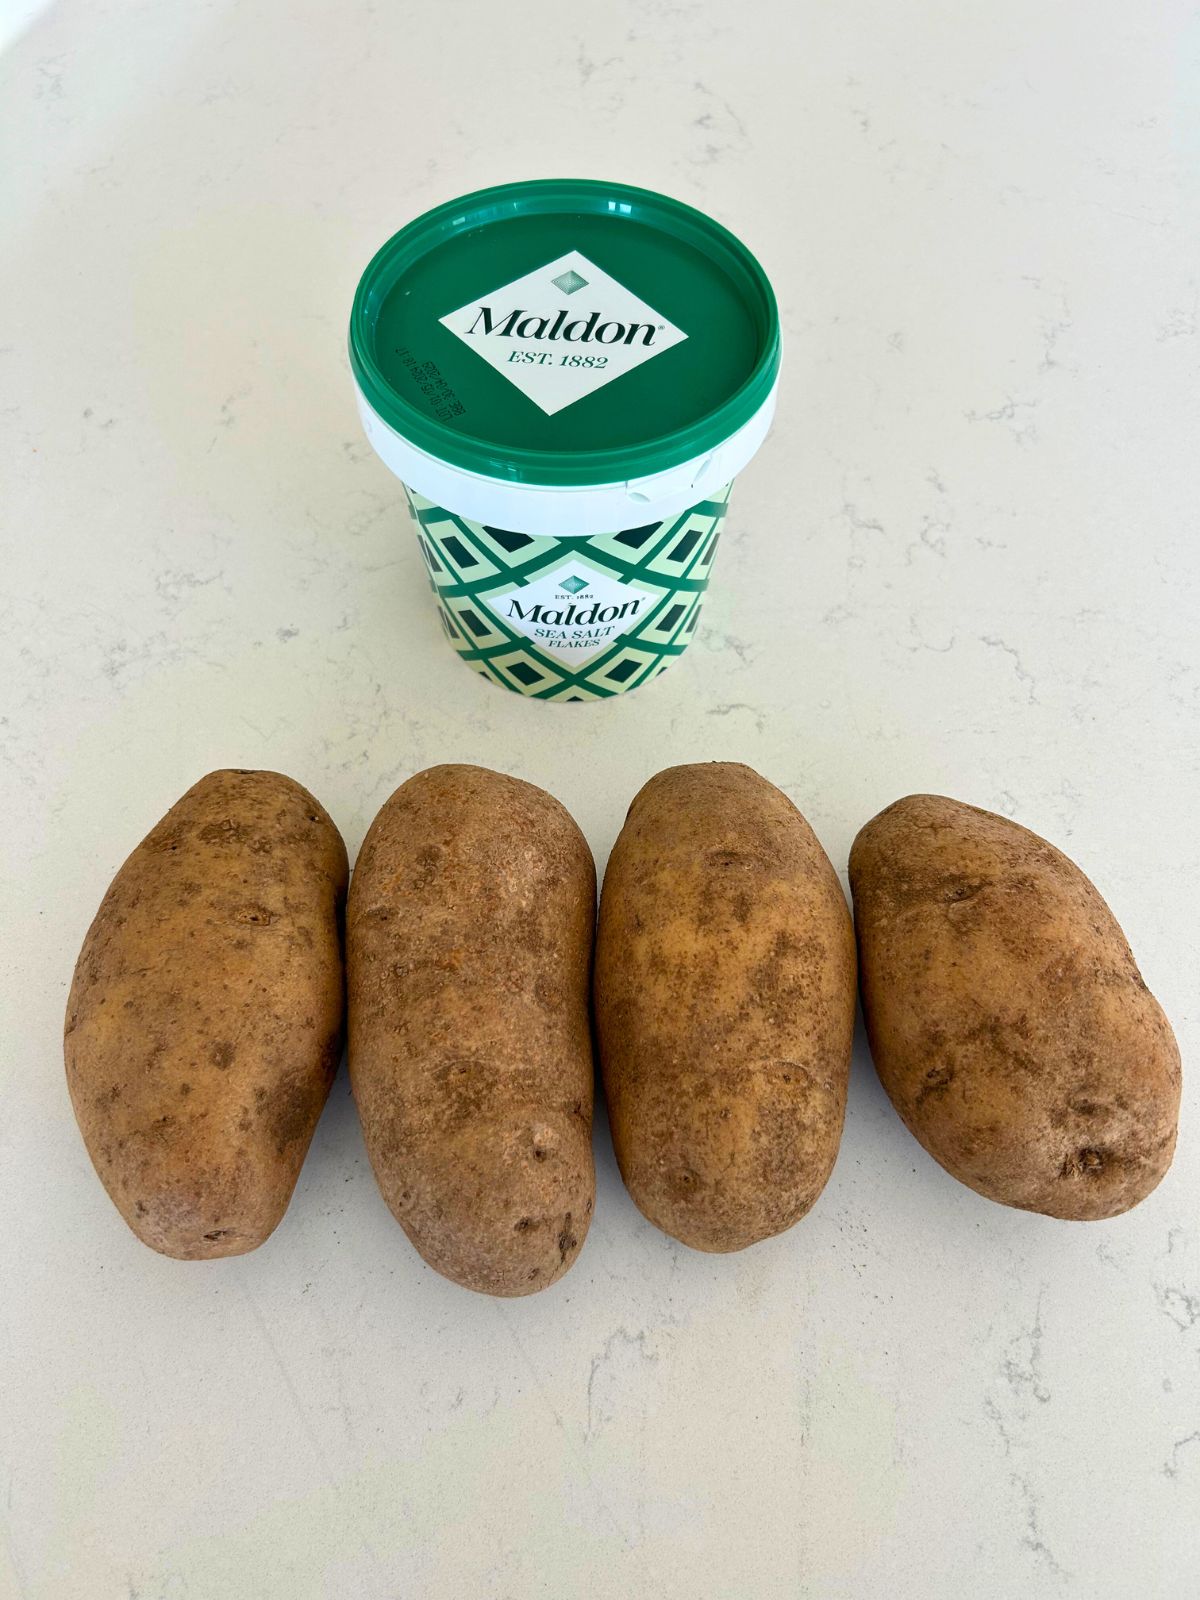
(666, 563)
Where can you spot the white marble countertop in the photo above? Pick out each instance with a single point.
(967, 561)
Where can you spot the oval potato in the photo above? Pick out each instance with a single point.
(204, 1023)
(469, 940)
(725, 995)
(1008, 1020)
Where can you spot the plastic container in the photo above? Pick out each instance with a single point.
(566, 376)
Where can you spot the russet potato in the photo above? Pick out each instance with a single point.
(204, 1023)
(469, 941)
(1008, 1020)
(724, 997)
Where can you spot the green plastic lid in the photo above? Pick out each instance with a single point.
(565, 332)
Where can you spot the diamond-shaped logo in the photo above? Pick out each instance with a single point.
(555, 353)
(568, 282)
(575, 612)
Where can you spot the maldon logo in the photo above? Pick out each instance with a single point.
(562, 331)
(574, 616)
(575, 611)
(522, 324)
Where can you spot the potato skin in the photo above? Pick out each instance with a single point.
(725, 993)
(204, 1023)
(1008, 1020)
(469, 941)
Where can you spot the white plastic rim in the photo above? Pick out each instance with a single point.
(555, 511)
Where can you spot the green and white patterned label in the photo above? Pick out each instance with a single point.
(577, 618)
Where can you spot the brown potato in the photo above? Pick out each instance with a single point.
(724, 1006)
(1009, 1023)
(204, 1023)
(468, 943)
